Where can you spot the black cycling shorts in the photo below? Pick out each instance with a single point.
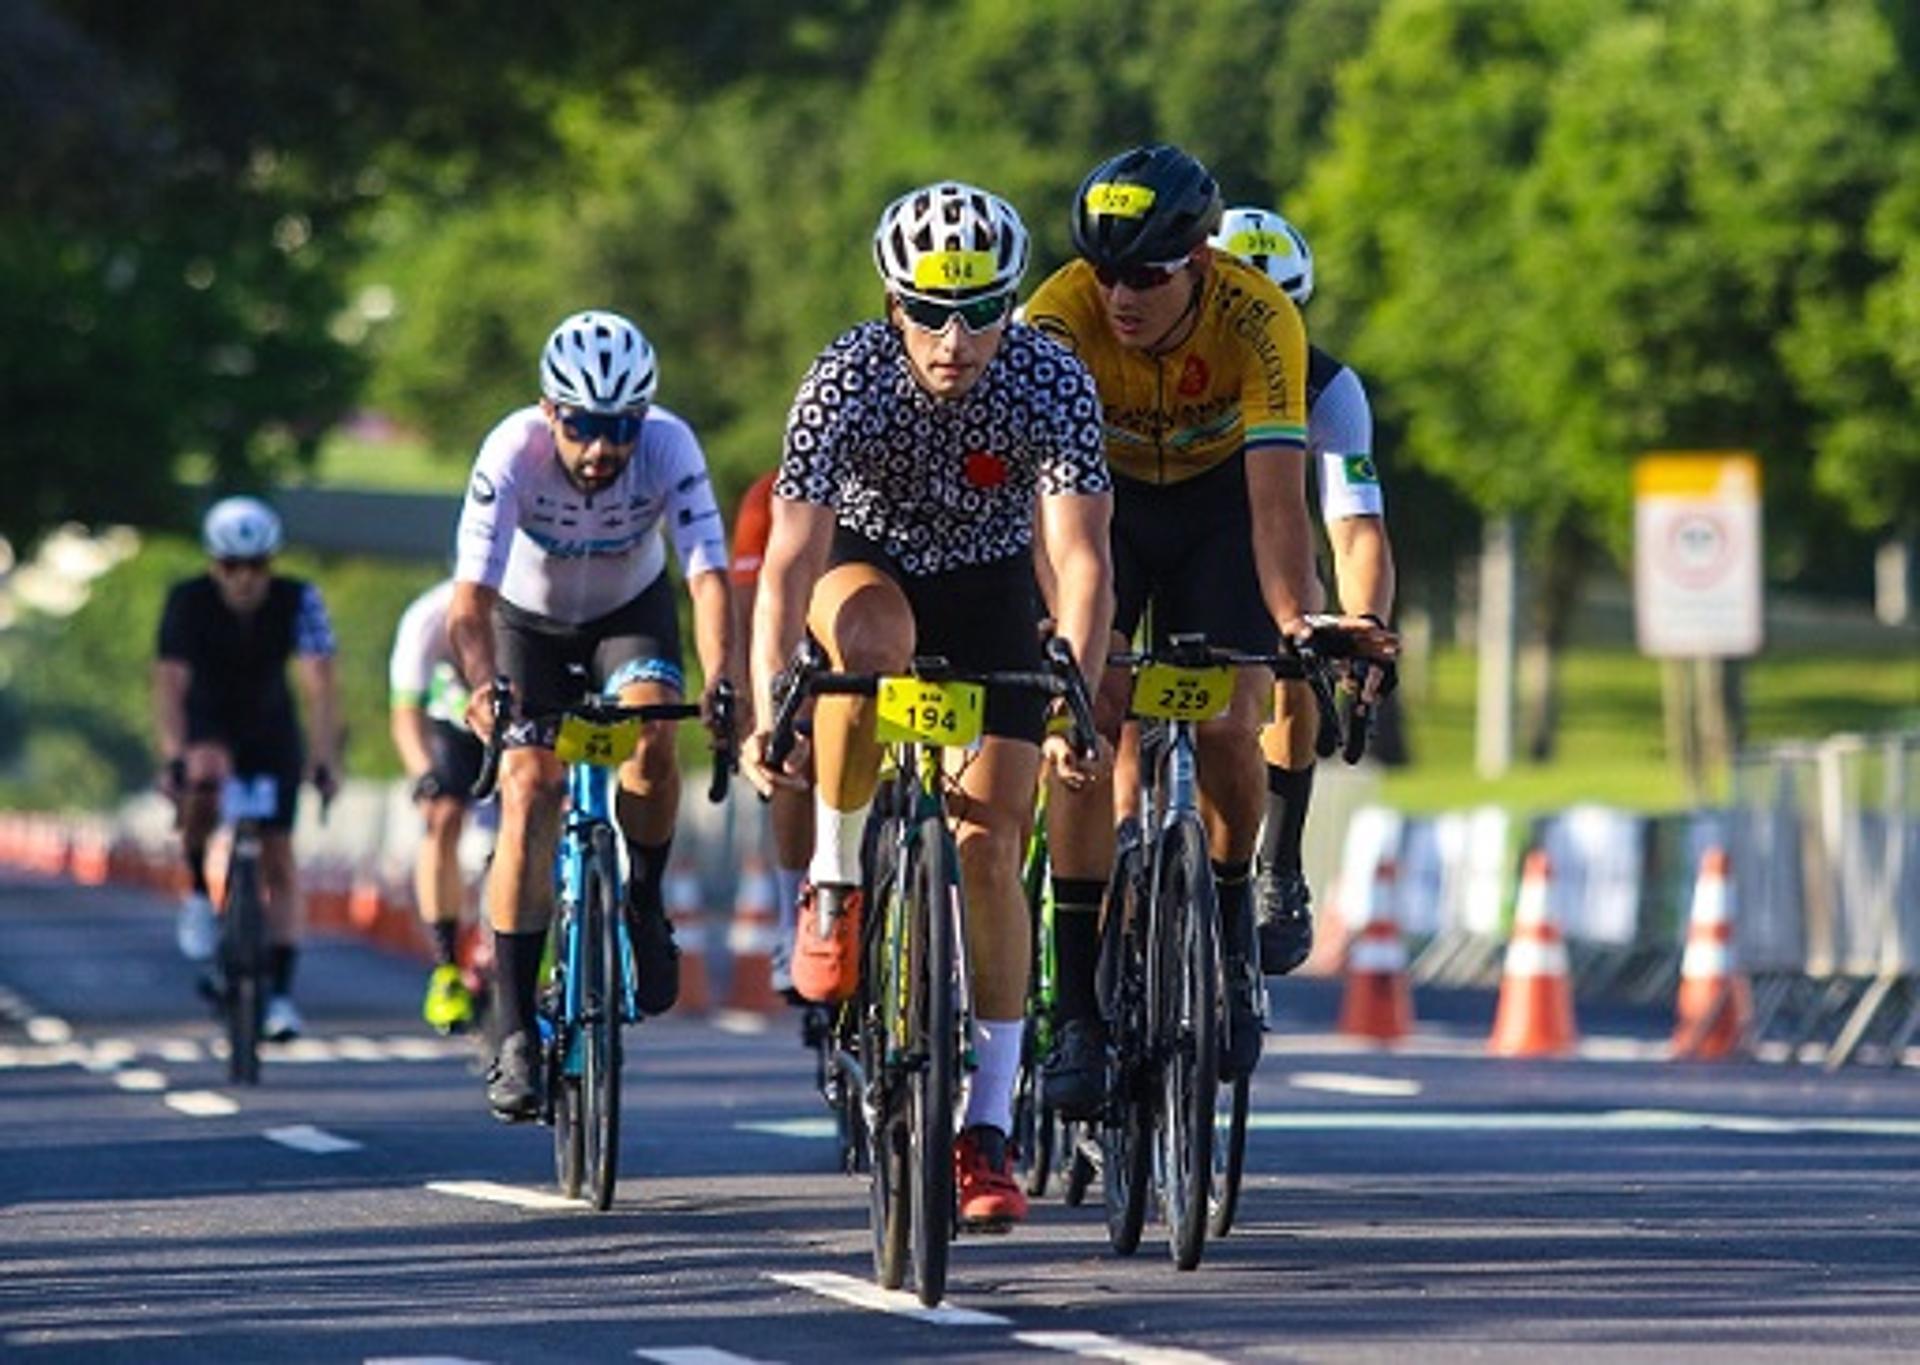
(638, 642)
(982, 618)
(1188, 549)
(276, 752)
(457, 755)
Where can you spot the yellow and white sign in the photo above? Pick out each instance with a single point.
(1697, 554)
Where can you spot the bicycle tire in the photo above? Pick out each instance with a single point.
(243, 967)
(934, 1008)
(888, 1205)
(1126, 1128)
(601, 1002)
(1189, 1030)
(1080, 1164)
(563, 1090)
(1229, 1155)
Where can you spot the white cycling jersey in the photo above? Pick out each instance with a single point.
(422, 670)
(1340, 440)
(572, 557)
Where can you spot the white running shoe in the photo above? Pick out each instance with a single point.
(283, 1022)
(196, 929)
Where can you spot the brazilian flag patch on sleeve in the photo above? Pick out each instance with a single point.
(1360, 469)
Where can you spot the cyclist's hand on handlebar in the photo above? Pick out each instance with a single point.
(764, 776)
(1077, 773)
(480, 712)
(1366, 637)
(720, 711)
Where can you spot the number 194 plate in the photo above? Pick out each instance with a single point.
(916, 710)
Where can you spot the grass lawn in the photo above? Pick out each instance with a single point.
(1611, 740)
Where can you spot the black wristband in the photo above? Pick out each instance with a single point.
(1369, 616)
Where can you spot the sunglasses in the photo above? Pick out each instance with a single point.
(252, 564)
(1140, 278)
(618, 428)
(976, 315)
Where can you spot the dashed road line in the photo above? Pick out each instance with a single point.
(1347, 1083)
(789, 1128)
(1594, 1121)
(696, 1355)
(1101, 1347)
(861, 1294)
(492, 1193)
(304, 1137)
(201, 1104)
(140, 1079)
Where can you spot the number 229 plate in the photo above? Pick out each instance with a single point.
(914, 709)
(1166, 692)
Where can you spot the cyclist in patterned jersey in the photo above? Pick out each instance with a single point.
(222, 709)
(920, 450)
(1201, 366)
(789, 812)
(1340, 450)
(427, 716)
(561, 566)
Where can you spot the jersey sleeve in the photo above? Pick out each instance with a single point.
(491, 513)
(175, 643)
(312, 629)
(1273, 391)
(810, 458)
(699, 535)
(1341, 432)
(410, 667)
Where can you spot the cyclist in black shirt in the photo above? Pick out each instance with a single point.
(222, 708)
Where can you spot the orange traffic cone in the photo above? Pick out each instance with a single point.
(1378, 1001)
(326, 885)
(1535, 1015)
(90, 847)
(688, 915)
(1714, 1004)
(751, 938)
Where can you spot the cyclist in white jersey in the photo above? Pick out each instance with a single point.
(1340, 450)
(919, 450)
(561, 566)
(427, 717)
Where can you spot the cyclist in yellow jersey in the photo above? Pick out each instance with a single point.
(1201, 365)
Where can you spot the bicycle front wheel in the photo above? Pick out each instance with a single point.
(934, 926)
(882, 986)
(1229, 1156)
(243, 965)
(1126, 1129)
(600, 999)
(1188, 991)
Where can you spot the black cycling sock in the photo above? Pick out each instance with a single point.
(446, 942)
(1076, 945)
(649, 863)
(1230, 881)
(280, 960)
(1289, 791)
(516, 968)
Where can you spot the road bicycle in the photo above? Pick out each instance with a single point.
(903, 1043)
(240, 989)
(1170, 1123)
(590, 990)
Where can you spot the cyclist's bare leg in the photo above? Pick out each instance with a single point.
(281, 879)
(862, 619)
(437, 881)
(1232, 776)
(1288, 741)
(520, 884)
(208, 767)
(649, 794)
(996, 795)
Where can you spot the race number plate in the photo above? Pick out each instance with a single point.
(604, 744)
(1166, 692)
(916, 710)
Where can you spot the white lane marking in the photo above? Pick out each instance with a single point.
(201, 1104)
(179, 1050)
(861, 1294)
(1113, 1348)
(792, 1128)
(1347, 1083)
(109, 1054)
(354, 1048)
(423, 1360)
(697, 1355)
(742, 1022)
(44, 1028)
(493, 1193)
(304, 1137)
(140, 1079)
(1598, 1049)
(1607, 1120)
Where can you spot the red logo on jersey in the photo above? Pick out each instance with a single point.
(984, 469)
(1193, 379)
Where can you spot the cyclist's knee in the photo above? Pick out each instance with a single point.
(530, 790)
(445, 816)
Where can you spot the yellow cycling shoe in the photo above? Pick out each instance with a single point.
(449, 1004)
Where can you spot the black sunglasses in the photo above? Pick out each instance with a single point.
(255, 563)
(976, 315)
(619, 428)
(1140, 278)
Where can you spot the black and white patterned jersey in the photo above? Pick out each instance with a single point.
(942, 483)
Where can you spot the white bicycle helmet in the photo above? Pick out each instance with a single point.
(240, 528)
(598, 361)
(1268, 242)
(950, 241)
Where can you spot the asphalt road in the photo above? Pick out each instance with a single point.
(1427, 1204)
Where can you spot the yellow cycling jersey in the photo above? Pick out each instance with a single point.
(1237, 382)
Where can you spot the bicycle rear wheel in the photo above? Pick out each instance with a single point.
(601, 1000)
(934, 922)
(1188, 960)
(1229, 1155)
(1126, 1129)
(243, 965)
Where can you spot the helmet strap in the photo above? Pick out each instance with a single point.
(1182, 325)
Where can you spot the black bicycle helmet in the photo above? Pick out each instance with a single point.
(1146, 206)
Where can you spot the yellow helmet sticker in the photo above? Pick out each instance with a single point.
(1119, 201)
(953, 270)
(1259, 242)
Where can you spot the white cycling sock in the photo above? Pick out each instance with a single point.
(996, 1050)
(836, 843)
